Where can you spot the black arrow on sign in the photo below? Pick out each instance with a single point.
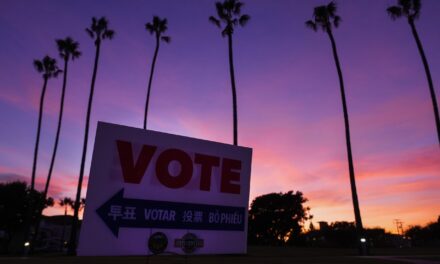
(120, 212)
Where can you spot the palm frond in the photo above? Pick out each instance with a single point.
(228, 30)
(237, 8)
(59, 42)
(149, 27)
(163, 25)
(56, 72)
(108, 34)
(244, 19)
(76, 54)
(215, 21)
(406, 6)
(38, 65)
(394, 12)
(312, 25)
(331, 9)
(229, 5)
(224, 32)
(221, 10)
(417, 5)
(166, 39)
(336, 21)
(90, 32)
(61, 45)
(94, 26)
(102, 23)
(156, 22)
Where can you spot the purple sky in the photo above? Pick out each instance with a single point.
(288, 96)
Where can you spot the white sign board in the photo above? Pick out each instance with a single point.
(143, 183)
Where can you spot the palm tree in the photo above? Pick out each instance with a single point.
(66, 202)
(325, 18)
(68, 49)
(49, 69)
(98, 31)
(229, 14)
(411, 10)
(157, 27)
(82, 204)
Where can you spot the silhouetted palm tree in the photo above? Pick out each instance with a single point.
(66, 202)
(49, 69)
(325, 18)
(68, 49)
(411, 10)
(98, 31)
(229, 14)
(157, 27)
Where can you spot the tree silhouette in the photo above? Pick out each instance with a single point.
(157, 27)
(49, 69)
(98, 31)
(428, 235)
(66, 202)
(229, 14)
(325, 18)
(411, 10)
(16, 198)
(275, 218)
(68, 49)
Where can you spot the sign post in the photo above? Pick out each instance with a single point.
(194, 192)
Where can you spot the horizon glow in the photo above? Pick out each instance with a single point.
(289, 105)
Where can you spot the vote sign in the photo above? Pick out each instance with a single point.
(143, 182)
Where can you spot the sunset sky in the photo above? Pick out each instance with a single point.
(289, 103)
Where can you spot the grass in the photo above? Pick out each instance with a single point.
(256, 255)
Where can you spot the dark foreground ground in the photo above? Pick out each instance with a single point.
(255, 255)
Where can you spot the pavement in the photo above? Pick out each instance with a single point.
(419, 259)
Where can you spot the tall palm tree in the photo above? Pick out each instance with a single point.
(68, 49)
(49, 69)
(229, 14)
(98, 31)
(157, 27)
(325, 18)
(411, 10)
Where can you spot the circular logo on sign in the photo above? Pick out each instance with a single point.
(157, 243)
(189, 243)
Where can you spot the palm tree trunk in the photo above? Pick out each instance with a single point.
(72, 240)
(37, 143)
(64, 228)
(428, 76)
(234, 93)
(60, 118)
(357, 213)
(52, 162)
(150, 81)
(28, 236)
